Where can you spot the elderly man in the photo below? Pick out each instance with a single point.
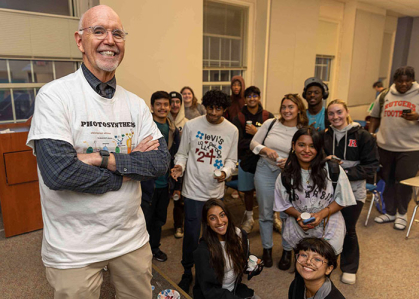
(94, 142)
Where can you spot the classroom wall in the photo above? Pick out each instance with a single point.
(164, 46)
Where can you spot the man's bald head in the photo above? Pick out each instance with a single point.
(94, 12)
(101, 53)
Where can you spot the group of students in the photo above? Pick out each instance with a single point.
(314, 160)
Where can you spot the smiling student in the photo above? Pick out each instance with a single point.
(305, 186)
(315, 91)
(193, 109)
(248, 121)
(208, 154)
(273, 142)
(156, 211)
(315, 260)
(358, 152)
(221, 256)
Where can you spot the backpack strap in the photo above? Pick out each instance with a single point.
(270, 127)
(334, 172)
(241, 118)
(265, 115)
(382, 98)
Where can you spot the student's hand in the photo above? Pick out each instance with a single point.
(251, 129)
(270, 153)
(330, 157)
(147, 144)
(319, 217)
(281, 163)
(412, 116)
(222, 178)
(176, 172)
(305, 227)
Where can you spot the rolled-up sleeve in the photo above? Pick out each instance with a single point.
(61, 170)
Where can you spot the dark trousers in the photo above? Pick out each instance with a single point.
(192, 230)
(397, 166)
(178, 212)
(349, 259)
(156, 215)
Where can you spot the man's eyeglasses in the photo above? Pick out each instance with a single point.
(101, 33)
(252, 96)
(302, 258)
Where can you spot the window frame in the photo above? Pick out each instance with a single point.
(28, 86)
(247, 38)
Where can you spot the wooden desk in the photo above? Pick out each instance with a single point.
(19, 186)
(414, 182)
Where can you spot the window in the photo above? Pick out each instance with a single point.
(323, 67)
(57, 7)
(20, 81)
(224, 44)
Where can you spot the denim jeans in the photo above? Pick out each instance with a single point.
(265, 188)
(192, 230)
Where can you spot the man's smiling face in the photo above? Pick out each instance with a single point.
(101, 57)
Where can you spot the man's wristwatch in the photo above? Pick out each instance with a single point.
(105, 158)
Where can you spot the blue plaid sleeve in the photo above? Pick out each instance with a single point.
(61, 170)
(142, 166)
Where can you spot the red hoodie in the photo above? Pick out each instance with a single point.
(237, 101)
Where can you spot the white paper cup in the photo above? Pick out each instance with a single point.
(249, 122)
(176, 197)
(253, 262)
(217, 173)
(305, 216)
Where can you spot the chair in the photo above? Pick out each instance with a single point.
(377, 190)
(414, 182)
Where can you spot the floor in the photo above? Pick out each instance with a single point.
(388, 268)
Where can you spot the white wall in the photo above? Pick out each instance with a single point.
(164, 45)
(413, 58)
(368, 39)
(292, 48)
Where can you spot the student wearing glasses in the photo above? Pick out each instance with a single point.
(251, 117)
(273, 142)
(315, 261)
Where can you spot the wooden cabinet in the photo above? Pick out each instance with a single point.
(19, 186)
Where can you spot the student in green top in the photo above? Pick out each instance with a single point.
(156, 212)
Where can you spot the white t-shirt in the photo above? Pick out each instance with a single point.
(80, 228)
(204, 148)
(313, 201)
(395, 133)
(279, 139)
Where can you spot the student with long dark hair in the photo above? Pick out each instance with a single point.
(357, 149)
(272, 142)
(315, 261)
(305, 185)
(221, 256)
